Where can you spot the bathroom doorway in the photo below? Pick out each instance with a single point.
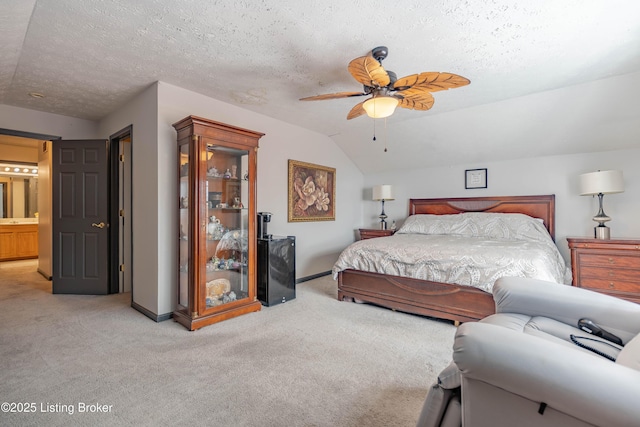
(120, 196)
(27, 197)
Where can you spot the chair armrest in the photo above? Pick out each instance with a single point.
(442, 403)
(566, 304)
(585, 386)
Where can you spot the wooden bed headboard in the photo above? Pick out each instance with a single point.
(543, 207)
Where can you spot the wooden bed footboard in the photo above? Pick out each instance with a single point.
(441, 300)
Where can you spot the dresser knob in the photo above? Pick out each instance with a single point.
(610, 285)
(610, 260)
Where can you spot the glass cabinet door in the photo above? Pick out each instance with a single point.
(226, 208)
(185, 248)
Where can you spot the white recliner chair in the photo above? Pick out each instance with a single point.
(529, 365)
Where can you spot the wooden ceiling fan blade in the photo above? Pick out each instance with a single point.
(368, 71)
(421, 101)
(357, 111)
(332, 96)
(430, 81)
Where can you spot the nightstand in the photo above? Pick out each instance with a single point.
(369, 233)
(608, 266)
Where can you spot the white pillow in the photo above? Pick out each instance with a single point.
(510, 226)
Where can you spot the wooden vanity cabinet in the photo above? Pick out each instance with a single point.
(18, 241)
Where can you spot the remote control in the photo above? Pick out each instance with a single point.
(591, 328)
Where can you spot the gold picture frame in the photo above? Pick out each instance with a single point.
(312, 192)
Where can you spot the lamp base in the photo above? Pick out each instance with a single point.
(602, 233)
(383, 225)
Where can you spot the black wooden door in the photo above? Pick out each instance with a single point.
(80, 216)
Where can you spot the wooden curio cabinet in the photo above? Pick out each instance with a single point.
(217, 222)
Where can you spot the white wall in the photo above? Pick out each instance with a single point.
(151, 270)
(542, 175)
(24, 120)
(282, 141)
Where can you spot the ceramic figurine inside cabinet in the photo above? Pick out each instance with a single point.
(217, 215)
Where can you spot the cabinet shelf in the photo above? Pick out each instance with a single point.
(221, 178)
(228, 209)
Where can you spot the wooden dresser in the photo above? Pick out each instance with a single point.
(608, 266)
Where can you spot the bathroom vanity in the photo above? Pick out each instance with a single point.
(18, 241)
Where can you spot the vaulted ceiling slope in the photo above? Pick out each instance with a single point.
(528, 62)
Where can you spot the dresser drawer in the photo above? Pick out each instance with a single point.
(369, 233)
(609, 260)
(588, 272)
(610, 285)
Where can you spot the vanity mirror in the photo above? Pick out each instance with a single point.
(18, 190)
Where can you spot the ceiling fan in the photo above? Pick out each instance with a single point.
(387, 91)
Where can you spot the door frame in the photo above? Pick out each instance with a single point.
(29, 135)
(45, 235)
(119, 189)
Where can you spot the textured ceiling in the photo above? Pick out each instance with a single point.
(89, 57)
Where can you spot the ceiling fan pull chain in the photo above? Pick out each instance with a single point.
(385, 135)
(374, 129)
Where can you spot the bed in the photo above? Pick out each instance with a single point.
(447, 295)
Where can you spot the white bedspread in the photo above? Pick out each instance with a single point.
(453, 258)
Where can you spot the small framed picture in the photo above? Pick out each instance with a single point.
(475, 178)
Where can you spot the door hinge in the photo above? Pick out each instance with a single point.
(122, 158)
(121, 267)
(121, 212)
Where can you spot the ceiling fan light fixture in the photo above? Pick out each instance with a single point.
(387, 91)
(380, 106)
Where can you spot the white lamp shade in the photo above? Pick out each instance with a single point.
(380, 106)
(605, 182)
(383, 192)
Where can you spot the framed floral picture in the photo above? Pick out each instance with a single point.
(312, 192)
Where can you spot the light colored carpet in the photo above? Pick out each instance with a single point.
(313, 361)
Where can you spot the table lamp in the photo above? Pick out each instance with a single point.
(382, 193)
(601, 183)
